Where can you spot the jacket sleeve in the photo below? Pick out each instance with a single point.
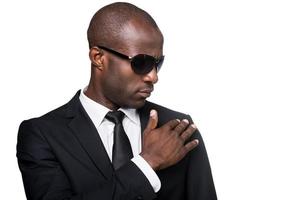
(44, 177)
(199, 182)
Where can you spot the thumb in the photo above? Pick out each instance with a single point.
(152, 122)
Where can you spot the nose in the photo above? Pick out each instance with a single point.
(151, 76)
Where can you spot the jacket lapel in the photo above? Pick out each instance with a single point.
(86, 133)
(144, 116)
(144, 113)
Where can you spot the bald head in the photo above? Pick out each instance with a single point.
(108, 23)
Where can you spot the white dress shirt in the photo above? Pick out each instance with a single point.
(132, 127)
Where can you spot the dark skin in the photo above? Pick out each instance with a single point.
(114, 84)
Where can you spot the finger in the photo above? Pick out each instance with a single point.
(187, 148)
(181, 126)
(191, 145)
(188, 132)
(172, 124)
(152, 122)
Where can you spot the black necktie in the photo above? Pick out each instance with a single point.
(122, 152)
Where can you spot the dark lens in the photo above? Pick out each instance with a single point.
(159, 63)
(142, 63)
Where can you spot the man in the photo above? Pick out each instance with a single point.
(75, 151)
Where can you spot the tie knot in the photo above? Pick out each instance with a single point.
(115, 116)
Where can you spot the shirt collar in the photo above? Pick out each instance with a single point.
(97, 111)
(131, 114)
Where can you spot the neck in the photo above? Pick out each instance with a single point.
(97, 96)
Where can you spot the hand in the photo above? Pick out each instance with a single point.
(165, 146)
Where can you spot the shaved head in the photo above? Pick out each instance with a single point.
(130, 31)
(108, 23)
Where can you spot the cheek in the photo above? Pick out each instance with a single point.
(127, 86)
(121, 81)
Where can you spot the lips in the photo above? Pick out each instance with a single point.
(145, 92)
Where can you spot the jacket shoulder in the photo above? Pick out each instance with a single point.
(164, 112)
(56, 113)
(64, 111)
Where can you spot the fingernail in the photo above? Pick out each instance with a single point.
(185, 120)
(194, 126)
(152, 113)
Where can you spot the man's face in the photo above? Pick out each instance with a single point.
(121, 86)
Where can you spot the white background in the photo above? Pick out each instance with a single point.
(233, 65)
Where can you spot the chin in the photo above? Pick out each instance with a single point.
(136, 104)
(141, 104)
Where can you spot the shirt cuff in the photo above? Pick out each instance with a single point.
(148, 172)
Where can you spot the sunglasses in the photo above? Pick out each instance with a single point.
(141, 63)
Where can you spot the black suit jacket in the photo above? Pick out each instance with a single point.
(61, 156)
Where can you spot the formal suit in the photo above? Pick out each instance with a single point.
(61, 156)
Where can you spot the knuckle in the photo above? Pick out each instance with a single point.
(178, 128)
(173, 132)
(183, 152)
(192, 127)
(190, 132)
(181, 127)
(182, 141)
(184, 136)
(172, 123)
(189, 146)
(187, 134)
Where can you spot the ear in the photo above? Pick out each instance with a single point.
(96, 57)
